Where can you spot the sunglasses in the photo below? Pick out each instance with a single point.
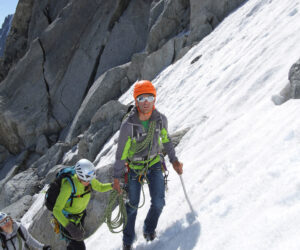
(141, 98)
(6, 220)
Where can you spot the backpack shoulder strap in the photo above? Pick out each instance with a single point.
(3, 241)
(20, 232)
(68, 177)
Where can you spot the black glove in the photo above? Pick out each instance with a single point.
(75, 232)
(47, 248)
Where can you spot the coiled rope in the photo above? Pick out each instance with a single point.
(121, 218)
(137, 148)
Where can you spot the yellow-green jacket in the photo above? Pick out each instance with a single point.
(78, 204)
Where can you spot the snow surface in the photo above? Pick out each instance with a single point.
(242, 153)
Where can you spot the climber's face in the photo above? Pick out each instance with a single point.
(145, 103)
(84, 183)
(6, 225)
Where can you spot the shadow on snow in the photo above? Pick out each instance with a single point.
(176, 236)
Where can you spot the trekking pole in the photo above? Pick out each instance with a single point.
(186, 196)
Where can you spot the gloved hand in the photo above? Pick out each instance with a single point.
(76, 232)
(47, 248)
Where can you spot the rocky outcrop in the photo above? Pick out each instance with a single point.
(158, 60)
(50, 159)
(24, 183)
(44, 12)
(104, 123)
(206, 15)
(17, 40)
(4, 154)
(19, 102)
(128, 35)
(292, 89)
(11, 167)
(19, 208)
(4, 33)
(172, 17)
(109, 86)
(294, 78)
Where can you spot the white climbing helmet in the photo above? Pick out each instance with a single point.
(85, 170)
(3, 216)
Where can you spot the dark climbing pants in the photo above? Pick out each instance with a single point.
(76, 245)
(157, 193)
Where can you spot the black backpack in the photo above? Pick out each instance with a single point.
(4, 241)
(54, 188)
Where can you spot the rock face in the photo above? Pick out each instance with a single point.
(24, 183)
(75, 48)
(207, 14)
(4, 33)
(19, 208)
(107, 87)
(24, 94)
(16, 44)
(105, 122)
(169, 18)
(3, 153)
(128, 36)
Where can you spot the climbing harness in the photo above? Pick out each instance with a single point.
(74, 218)
(142, 171)
(55, 225)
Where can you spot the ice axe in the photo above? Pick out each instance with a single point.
(187, 198)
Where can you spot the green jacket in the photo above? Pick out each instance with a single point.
(79, 204)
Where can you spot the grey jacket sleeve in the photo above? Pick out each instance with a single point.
(168, 146)
(119, 165)
(30, 240)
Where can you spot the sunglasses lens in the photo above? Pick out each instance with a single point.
(150, 98)
(144, 98)
(140, 99)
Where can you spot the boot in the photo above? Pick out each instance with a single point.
(150, 236)
(127, 247)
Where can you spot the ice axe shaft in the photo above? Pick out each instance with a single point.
(186, 196)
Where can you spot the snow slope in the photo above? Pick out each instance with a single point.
(242, 153)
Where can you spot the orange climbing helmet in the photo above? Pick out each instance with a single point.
(143, 87)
